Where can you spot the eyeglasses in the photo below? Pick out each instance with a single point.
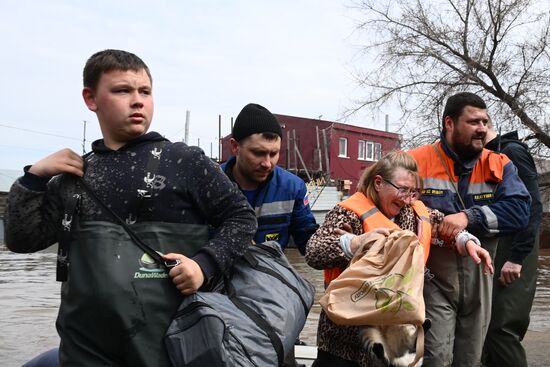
(403, 192)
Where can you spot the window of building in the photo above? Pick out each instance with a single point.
(343, 147)
(369, 150)
(362, 150)
(377, 151)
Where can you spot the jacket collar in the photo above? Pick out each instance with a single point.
(228, 169)
(99, 146)
(466, 165)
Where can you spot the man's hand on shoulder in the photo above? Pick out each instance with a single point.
(451, 225)
(63, 161)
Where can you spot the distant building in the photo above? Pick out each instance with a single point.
(328, 149)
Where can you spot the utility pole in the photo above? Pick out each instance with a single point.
(187, 122)
(219, 138)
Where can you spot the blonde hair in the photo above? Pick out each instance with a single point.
(385, 168)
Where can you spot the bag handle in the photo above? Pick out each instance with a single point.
(419, 345)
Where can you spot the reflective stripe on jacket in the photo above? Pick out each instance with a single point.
(372, 218)
(282, 208)
(495, 199)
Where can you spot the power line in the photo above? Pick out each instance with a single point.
(33, 148)
(38, 132)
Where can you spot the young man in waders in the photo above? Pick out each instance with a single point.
(116, 302)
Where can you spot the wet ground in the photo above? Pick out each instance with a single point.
(29, 298)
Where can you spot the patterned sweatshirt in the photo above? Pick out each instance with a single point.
(188, 188)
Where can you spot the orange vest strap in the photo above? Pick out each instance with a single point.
(331, 274)
(369, 214)
(372, 218)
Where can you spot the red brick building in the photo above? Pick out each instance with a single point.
(324, 148)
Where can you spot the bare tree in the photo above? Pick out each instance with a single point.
(426, 50)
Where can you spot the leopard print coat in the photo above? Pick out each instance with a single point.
(323, 251)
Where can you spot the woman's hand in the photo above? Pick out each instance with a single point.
(359, 242)
(478, 255)
(187, 276)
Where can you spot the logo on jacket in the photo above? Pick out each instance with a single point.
(484, 196)
(306, 199)
(272, 236)
(149, 269)
(433, 192)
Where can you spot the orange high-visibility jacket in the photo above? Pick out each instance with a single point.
(488, 170)
(495, 199)
(372, 218)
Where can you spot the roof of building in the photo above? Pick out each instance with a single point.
(339, 126)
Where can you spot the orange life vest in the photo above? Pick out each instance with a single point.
(489, 167)
(372, 218)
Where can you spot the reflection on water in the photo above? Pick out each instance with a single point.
(540, 312)
(29, 298)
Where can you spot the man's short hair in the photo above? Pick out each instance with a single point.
(256, 119)
(456, 103)
(108, 60)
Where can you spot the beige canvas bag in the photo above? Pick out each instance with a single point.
(382, 286)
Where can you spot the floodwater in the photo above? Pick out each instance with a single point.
(29, 298)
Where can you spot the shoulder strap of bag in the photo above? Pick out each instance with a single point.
(258, 320)
(135, 205)
(451, 179)
(419, 345)
(142, 245)
(71, 209)
(143, 193)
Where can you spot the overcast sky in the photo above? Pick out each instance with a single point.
(295, 57)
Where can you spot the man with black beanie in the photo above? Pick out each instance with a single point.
(278, 197)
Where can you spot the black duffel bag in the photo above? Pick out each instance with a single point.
(254, 321)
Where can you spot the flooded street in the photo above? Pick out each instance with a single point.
(29, 298)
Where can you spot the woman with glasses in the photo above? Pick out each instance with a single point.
(386, 198)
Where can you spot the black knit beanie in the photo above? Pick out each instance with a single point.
(254, 119)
